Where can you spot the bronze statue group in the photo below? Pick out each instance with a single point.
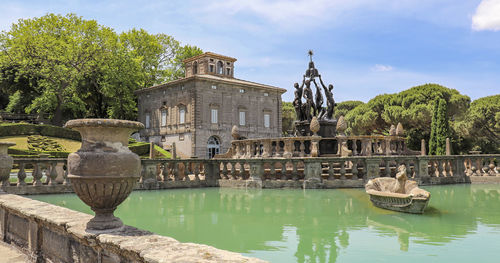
(313, 102)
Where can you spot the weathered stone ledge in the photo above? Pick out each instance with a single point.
(343, 183)
(49, 233)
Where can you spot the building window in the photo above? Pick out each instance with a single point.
(147, 120)
(163, 138)
(267, 120)
(266, 94)
(242, 91)
(228, 71)
(182, 87)
(163, 118)
(220, 68)
(211, 68)
(181, 137)
(195, 67)
(214, 115)
(213, 147)
(242, 118)
(182, 114)
(214, 87)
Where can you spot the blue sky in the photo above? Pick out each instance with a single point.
(363, 47)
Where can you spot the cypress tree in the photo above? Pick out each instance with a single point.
(432, 140)
(442, 128)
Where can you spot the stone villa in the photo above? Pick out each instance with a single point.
(198, 111)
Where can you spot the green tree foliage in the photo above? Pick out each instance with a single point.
(433, 137)
(288, 117)
(344, 107)
(71, 67)
(411, 107)
(439, 129)
(480, 129)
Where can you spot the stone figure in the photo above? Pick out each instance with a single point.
(308, 96)
(297, 102)
(341, 126)
(318, 110)
(330, 102)
(392, 130)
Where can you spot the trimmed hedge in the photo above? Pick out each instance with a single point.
(139, 148)
(15, 129)
(19, 153)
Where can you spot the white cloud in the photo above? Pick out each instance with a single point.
(381, 68)
(487, 16)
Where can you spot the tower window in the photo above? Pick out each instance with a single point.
(212, 68)
(242, 91)
(228, 71)
(195, 67)
(220, 68)
(266, 94)
(214, 87)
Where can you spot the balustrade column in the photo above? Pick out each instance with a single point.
(266, 144)
(37, 174)
(387, 168)
(330, 171)
(354, 169)
(197, 172)
(354, 147)
(302, 148)
(288, 149)
(21, 175)
(295, 173)
(342, 170)
(283, 171)
(53, 174)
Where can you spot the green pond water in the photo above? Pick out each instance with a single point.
(461, 224)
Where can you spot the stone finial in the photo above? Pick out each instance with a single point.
(235, 132)
(392, 130)
(399, 130)
(422, 147)
(314, 126)
(341, 126)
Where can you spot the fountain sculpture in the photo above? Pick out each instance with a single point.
(314, 102)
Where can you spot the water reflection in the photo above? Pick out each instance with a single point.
(305, 226)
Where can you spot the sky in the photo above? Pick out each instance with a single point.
(363, 47)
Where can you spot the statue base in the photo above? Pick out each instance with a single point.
(327, 128)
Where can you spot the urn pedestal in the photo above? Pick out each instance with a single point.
(103, 171)
(6, 163)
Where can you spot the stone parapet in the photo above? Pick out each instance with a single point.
(49, 233)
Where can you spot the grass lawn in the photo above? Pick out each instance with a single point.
(22, 142)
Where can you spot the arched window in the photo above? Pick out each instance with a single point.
(213, 147)
(195, 68)
(220, 69)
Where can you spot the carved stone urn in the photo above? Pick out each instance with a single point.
(103, 171)
(6, 163)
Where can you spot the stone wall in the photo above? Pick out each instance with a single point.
(49, 233)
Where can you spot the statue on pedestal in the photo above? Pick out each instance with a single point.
(314, 102)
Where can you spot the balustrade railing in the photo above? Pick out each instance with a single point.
(168, 173)
(287, 147)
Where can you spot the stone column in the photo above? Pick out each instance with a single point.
(423, 167)
(256, 172)
(212, 172)
(448, 146)
(148, 176)
(266, 145)
(312, 174)
(422, 148)
(372, 167)
(174, 151)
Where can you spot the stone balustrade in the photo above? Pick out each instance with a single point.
(44, 175)
(303, 146)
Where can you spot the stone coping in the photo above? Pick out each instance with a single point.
(104, 123)
(129, 243)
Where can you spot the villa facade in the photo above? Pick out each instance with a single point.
(198, 111)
